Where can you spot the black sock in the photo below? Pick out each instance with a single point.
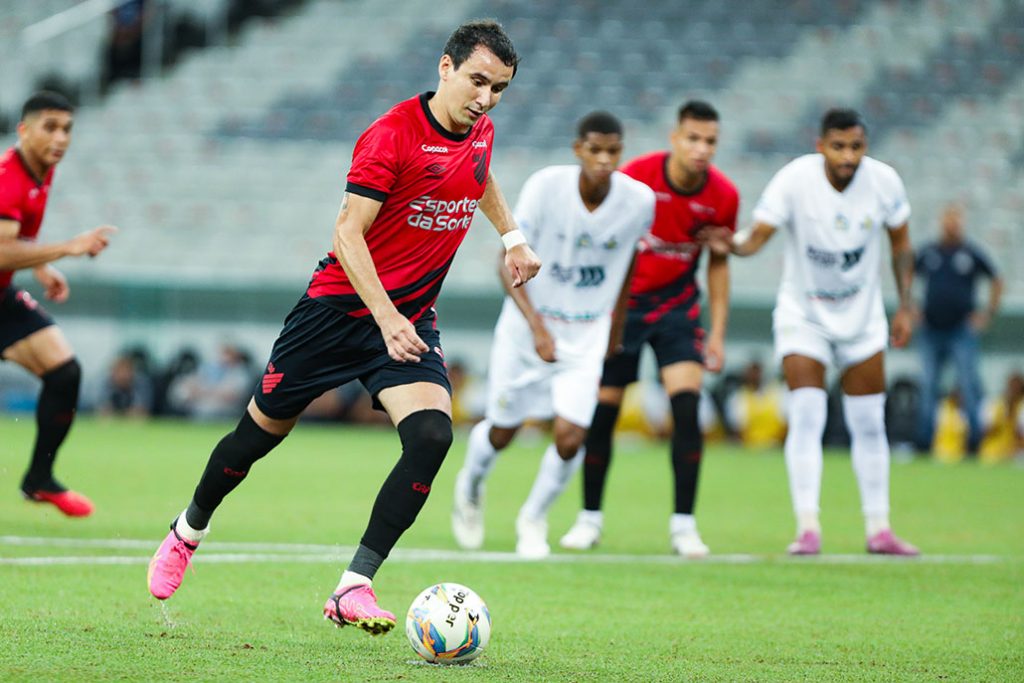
(687, 449)
(55, 412)
(366, 561)
(597, 457)
(228, 465)
(426, 437)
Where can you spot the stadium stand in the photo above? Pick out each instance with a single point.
(226, 171)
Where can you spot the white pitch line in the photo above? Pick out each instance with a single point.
(137, 544)
(227, 552)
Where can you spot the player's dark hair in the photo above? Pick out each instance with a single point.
(697, 110)
(43, 100)
(598, 122)
(486, 32)
(841, 119)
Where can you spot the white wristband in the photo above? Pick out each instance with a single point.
(513, 238)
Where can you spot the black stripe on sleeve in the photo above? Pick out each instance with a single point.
(367, 192)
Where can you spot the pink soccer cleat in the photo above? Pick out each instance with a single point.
(357, 606)
(807, 543)
(70, 503)
(887, 543)
(167, 568)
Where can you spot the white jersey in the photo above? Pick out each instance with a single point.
(586, 256)
(831, 275)
(585, 253)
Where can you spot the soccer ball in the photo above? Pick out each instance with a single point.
(448, 624)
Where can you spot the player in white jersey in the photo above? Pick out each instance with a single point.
(833, 205)
(553, 334)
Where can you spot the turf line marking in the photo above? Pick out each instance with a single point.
(138, 544)
(280, 553)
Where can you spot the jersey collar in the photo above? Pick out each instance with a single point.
(436, 125)
(28, 169)
(672, 186)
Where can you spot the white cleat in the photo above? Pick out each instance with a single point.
(532, 538)
(584, 535)
(688, 544)
(467, 516)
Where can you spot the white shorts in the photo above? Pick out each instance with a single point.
(521, 386)
(796, 335)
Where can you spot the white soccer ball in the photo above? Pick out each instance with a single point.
(448, 624)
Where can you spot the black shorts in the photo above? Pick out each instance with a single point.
(321, 348)
(20, 316)
(674, 333)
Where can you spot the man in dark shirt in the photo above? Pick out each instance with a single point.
(951, 325)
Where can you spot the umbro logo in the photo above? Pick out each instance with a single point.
(271, 379)
(435, 169)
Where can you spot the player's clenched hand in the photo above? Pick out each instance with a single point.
(522, 264)
(544, 343)
(717, 239)
(901, 328)
(54, 283)
(401, 339)
(92, 242)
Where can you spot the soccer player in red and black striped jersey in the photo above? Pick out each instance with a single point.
(418, 174)
(664, 311)
(28, 335)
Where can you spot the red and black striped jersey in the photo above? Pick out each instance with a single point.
(430, 182)
(22, 199)
(669, 253)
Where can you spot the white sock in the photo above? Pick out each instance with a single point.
(679, 523)
(869, 445)
(594, 517)
(875, 523)
(807, 521)
(480, 458)
(807, 408)
(352, 579)
(552, 478)
(188, 533)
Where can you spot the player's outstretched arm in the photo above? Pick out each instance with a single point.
(723, 242)
(902, 326)
(520, 260)
(355, 217)
(16, 254)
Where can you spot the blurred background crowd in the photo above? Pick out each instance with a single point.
(216, 134)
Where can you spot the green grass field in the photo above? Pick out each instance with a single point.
(629, 613)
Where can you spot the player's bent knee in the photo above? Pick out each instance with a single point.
(66, 377)
(271, 425)
(426, 435)
(501, 437)
(568, 445)
(610, 395)
(568, 450)
(685, 413)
